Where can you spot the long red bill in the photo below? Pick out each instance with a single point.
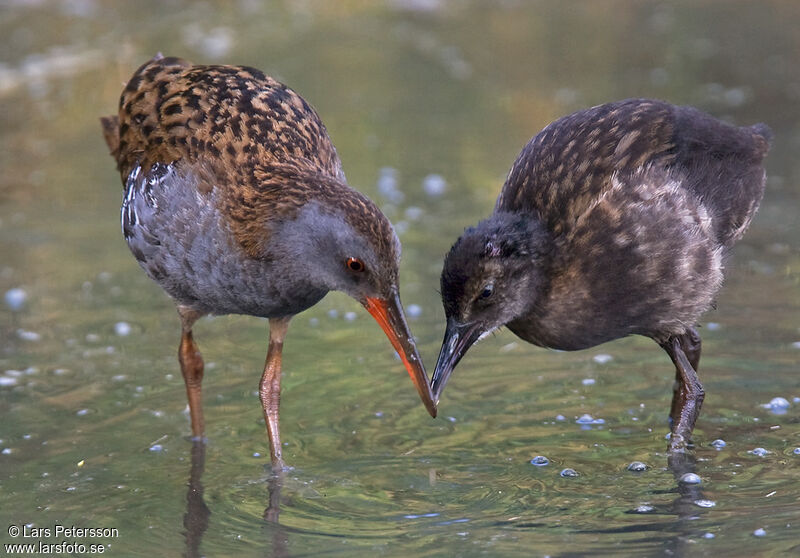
(389, 315)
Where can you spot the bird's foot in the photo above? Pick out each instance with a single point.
(279, 466)
(678, 443)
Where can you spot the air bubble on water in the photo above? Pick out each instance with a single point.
(387, 185)
(760, 452)
(602, 358)
(737, 96)
(589, 419)
(413, 212)
(122, 329)
(705, 503)
(508, 347)
(434, 185)
(691, 478)
(414, 310)
(420, 516)
(637, 466)
(26, 335)
(15, 299)
(569, 473)
(719, 443)
(540, 461)
(777, 406)
(760, 532)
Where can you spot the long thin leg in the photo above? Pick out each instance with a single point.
(192, 369)
(688, 397)
(691, 345)
(270, 387)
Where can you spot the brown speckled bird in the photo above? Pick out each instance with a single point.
(613, 221)
(235, 203)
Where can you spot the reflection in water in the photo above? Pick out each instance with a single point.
(681, 464)
(280, 538)
(685, 506)
(195, 520)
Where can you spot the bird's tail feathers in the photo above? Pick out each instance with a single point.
(111, 134)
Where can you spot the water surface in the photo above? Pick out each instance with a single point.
(428, 103)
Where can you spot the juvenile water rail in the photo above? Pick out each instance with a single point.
(235, 203)
(615, 220)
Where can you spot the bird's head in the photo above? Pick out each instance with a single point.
(347, 244)
(491, 276)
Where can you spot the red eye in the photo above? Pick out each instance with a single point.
(354, 264)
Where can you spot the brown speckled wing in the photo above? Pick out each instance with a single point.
(565, 168)
(228, 116)
(283, 190)
(232, 129)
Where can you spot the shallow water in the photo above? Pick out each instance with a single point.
(428, 103)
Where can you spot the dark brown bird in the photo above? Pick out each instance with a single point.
(235, 203)
(613, 221)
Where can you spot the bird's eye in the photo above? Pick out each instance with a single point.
(354, 264)
(486, 292)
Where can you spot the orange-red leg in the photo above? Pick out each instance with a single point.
(270, 387)
(192, 369)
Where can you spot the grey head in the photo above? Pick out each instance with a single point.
(345, 243)
(493, 274)
(324, 247)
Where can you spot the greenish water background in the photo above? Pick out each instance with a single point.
(425, 87)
